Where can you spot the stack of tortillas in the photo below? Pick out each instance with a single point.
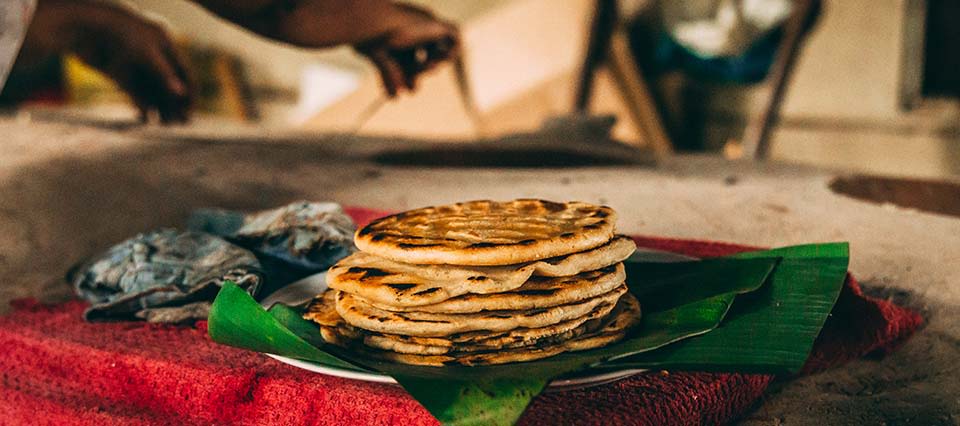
(481, 282)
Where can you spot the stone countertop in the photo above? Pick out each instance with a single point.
(70, 190)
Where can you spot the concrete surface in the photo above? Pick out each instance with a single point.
(67, 191)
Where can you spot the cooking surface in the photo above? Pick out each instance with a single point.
(67, 191)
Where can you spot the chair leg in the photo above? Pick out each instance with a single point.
(756, 137)
(637, 96)
(601, 29)
(609, 45)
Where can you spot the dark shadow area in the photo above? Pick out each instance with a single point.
(568, 141)
(477, 156)
(941, 70)
(925, 195)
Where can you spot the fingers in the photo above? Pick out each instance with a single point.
(413, 66)
(145, 88)
(423, 28)
(431, 32)
(418, 43)
(391, 73)
(153, 84)
(162, 79)
(146, 68)
(178, 81)
(423, 58)
(400, 68)
(179, 88)
(135, 53)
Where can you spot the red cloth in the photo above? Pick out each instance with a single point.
(57, 369)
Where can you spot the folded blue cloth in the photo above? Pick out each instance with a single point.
(161, 270)
(292, 241)
(173, 276)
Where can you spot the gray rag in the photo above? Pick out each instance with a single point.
(170, 276)
(163, 269)
(292, 241)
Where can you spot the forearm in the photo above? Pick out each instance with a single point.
(310, 23)
(14, 20)
(58, 24)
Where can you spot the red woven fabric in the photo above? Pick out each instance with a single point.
(57, 369)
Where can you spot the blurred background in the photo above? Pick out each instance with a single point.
(862, 85)
(761, 122)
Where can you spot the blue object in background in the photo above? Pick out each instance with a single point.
(750, 67)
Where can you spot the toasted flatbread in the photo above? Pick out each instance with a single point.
(398, 343)
(623, 319)
(323, 310)
(536, 293)
(383, 281)
(336, 331)
(488, 233)
(365, 316)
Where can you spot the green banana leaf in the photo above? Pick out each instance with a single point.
(236, 319)
(774, 328)
(680, 300)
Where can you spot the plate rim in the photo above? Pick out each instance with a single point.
(562, 384)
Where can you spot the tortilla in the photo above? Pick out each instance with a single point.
(338, 332)
(623, 319)
(483, 233)
(538, 292)
(363, 315)
(384, 282)
(323, 310)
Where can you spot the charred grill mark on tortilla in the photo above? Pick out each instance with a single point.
(363, 273)
(410, 245)
(427, 291)
(401, 287)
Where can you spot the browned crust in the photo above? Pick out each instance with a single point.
(536, 293)
(488, 232)
(621, 321)
(405, 285)
(362, 315)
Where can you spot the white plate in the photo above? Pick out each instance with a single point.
(302, 291)
(558, 385)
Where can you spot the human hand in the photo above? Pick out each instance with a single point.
(135, 53)
(402, 40)
(418, 42)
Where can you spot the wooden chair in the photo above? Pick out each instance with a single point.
(609, 45)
